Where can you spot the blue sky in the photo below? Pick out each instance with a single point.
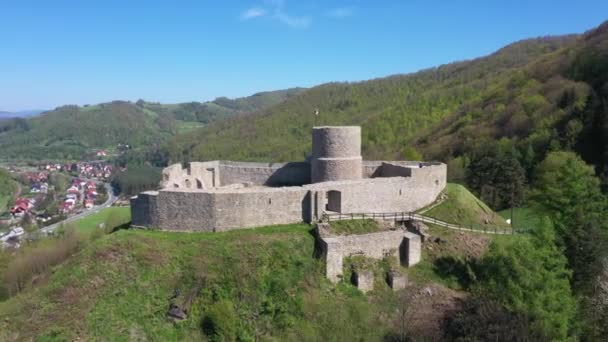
(82, 52)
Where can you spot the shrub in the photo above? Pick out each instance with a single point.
(483, 319)
(38, 259)
(220, 323)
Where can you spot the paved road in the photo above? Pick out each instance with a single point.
(95, 209)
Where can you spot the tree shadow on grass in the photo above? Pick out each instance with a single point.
(126, 225)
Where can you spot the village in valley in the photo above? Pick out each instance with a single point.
(49, 193)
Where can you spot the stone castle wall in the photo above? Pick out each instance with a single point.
(384, 194)
(260, 208)
(223, 195)
(219, 209)
(270, 174)
(406, 246)
(209, 175)
(181, 210)
(198, 175)
(376, 168)
(144, 209)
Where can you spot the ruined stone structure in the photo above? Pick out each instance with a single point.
(225, 195)
(397, 243)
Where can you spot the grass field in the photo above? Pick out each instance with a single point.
(522, 217)
(350, 227)
(4, 203)
(462, 207)
(188, 126)
(92, 222)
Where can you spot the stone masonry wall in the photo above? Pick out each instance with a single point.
(270, 174)
(395, 170)
(182, 210)
(260, 208)
(375, 168)
(208, 175)
(218, 209)
(198, 175)
(378, 195)
(406, 246)
(146, 209)
(336, 153)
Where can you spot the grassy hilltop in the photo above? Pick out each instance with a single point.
(257, 283)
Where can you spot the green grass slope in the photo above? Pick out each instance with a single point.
(525, 218)
(119, 287)
(119, 216)
(462, 207)
(8, 186)
(258, 284)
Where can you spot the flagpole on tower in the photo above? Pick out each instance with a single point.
(316, 113)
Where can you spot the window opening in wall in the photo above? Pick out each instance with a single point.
(199, 184)
(212, 170)
(175, 185)
(188, 184)
(436, 181)
(400, 192)
(270, 201)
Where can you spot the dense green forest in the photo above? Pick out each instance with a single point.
(72, 132)
(393, 111)
(528, 98)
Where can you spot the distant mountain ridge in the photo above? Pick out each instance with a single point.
(21, 113)
(72, 132)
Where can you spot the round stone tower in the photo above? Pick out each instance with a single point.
(336, 153)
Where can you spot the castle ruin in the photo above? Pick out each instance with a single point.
(218, 196)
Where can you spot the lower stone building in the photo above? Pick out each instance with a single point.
(397, 243)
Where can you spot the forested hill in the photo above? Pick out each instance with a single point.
(524, 93)
(71, 132)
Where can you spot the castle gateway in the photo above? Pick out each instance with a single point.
(225, 195)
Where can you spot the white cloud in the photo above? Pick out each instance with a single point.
(253, 13)
(342, 12)
(295, 22)
(275, 9)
